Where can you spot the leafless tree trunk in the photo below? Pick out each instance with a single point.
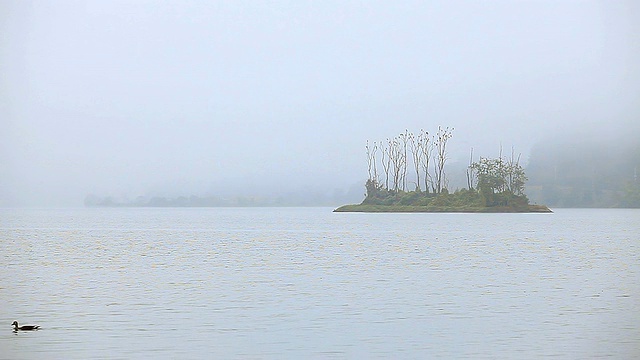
(426, 149)
(370, 160)
(403, 142)
(395, 155)
(416, 153)
(512, 166)
(386, 162)
(442, 137)
(470, 170)
(374, 151)
(394, 160)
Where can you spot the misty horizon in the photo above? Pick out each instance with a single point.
(179, 98)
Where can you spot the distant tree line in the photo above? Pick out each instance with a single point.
(305, 197)
(587, 172)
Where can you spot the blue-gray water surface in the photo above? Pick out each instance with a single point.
(274, 283)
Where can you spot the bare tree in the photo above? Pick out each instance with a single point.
(374, 151)
(403, 140)
(370, 160)
(386, 161)
(426, 149)
(470, 171)
(515, 177)
(394, 159)
(416, 153)
(441, 139)
(395, 155)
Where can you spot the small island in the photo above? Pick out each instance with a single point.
(494, 185)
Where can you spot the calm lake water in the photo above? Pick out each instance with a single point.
(274, 283)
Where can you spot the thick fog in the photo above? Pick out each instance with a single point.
(129, 98)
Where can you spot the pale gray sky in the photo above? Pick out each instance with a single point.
(189, 97)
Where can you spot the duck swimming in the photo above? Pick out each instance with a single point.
(24, 327)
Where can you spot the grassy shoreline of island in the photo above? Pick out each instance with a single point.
(368, 208)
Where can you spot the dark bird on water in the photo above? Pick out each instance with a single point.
(24, 327)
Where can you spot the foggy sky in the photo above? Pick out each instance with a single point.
(129, 98)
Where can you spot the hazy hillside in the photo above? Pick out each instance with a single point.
(593, 172)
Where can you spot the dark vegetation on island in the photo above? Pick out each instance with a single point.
(407, 174)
